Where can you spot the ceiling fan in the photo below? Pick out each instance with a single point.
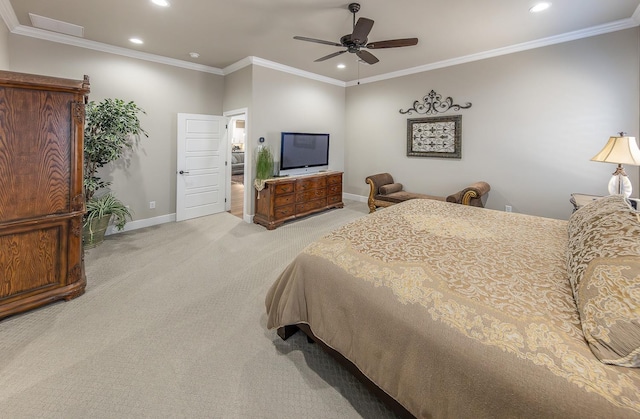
(357, 40)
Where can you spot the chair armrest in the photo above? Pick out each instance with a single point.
(375, 181)
(471, 195)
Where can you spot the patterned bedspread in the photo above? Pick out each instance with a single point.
(455, 311)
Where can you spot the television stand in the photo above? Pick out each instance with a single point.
(285, 199)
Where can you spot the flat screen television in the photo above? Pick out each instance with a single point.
(302, 153)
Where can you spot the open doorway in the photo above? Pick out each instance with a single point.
(237, 135)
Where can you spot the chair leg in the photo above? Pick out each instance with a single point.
(370, 200)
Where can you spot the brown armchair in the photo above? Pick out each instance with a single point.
(385, 192)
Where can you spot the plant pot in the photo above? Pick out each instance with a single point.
(93, 231)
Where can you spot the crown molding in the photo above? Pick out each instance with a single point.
(543, 42)
(98, 46)
(8, 15)
(245, 62)
(636, 15)
(280, 67)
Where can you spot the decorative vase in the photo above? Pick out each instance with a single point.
(93, 231)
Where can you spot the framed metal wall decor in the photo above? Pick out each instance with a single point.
(438, 136)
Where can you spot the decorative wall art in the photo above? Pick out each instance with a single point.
(433, 104)
(439, 136)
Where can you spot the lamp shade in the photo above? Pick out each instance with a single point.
(620, 150)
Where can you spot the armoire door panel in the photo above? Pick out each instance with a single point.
(35, 162)
(30, 260)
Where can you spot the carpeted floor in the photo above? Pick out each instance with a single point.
(173, 325)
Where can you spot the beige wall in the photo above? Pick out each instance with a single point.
(286, 102)
(4, 48)
(237, 89)
(537, 118)
(161, 90)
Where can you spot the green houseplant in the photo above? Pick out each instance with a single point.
(264, 163)
(112, 128)
(100, 211)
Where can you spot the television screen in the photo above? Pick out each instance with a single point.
(303, 150)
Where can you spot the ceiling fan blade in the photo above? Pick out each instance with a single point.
(317, 41)
(393, 43)
(326, 57)
(367, 57)
(361, 30)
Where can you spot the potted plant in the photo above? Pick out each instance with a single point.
(112, 128)
(264, 166)
(264, 163)
(100, 211)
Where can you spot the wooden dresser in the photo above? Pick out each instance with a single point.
(284, 199)
(41, 202)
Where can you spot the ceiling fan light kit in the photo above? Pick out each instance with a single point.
(357, 40)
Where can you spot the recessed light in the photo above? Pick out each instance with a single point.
(136, 41)
(540, 7)
(194, 54)
(163, 3)
(341, 66)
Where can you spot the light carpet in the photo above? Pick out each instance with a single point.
(172, 325)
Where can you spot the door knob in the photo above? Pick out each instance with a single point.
(182, 172)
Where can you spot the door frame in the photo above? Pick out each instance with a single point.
(246, 201)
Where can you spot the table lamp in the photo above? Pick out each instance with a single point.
(620, 150)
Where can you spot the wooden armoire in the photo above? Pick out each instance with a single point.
(41, 200)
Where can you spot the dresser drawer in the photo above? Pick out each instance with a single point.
(311, 205)
(284, 212)
(334, 179)
(310, 195)
(281, 200)
(333, 199)
(313, 183)
(284, 188)
(334, 190)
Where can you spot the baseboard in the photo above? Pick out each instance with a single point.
(147, 222)
(169, 218)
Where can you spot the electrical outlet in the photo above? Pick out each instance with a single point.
(152, 204)
(508, 208)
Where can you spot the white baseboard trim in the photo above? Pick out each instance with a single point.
(354, 197)
(170, 218)
(147, 222)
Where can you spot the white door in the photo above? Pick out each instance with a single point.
(201, 177)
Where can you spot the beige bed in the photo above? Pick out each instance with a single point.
(458, 311)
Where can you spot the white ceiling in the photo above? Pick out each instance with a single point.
(224, 32)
